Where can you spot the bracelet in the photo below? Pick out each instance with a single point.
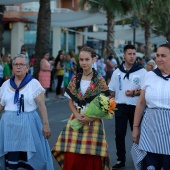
(135, 126)
(133, 94)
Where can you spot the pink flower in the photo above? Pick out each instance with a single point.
(92, 86)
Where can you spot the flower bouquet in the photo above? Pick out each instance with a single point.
(100, 107)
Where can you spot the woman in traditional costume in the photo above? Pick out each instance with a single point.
(86, 148)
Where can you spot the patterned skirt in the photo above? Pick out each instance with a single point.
(155, 135)
(22, 142)
(89, 140)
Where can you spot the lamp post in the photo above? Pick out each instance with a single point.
(134, 25)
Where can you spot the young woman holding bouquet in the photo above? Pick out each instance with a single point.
(86, 148)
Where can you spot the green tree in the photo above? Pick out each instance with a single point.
(43, 33)
(144, 10)
(161, 19)
(112, 8)
(2, 9)
(153, 16)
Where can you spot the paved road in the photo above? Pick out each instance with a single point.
(58, 115)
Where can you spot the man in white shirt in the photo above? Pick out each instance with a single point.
(125, 86)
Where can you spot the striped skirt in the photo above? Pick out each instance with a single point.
(155, 135)
(88, 140)
(22, 143)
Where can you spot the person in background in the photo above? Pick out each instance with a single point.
(1, 70)
(152, 134)
(114, 61)
(69, 70)
(73, 60)
(44, 75)
(24, 50)
(86, 148)
(150, 65)
(32, 60)
(59, 67)
(140, 61)
(23, 137)
(7, 71)
(125, 86)
(51, 61)
(109, 69)
(101, 67)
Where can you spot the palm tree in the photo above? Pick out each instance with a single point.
(158, 16)
(43, 33)
(112, 8)
(145, 7)
(2, 9)
(161, 19)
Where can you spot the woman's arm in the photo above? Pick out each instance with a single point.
(81, 118)
(58, 67)
(43, 111)
(73, 109)
(1, 108)
(141, 104)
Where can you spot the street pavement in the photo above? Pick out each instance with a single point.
(59, 112)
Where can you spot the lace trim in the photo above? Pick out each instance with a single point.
(35, 94)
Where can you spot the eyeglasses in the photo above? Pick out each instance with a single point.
(19, 64)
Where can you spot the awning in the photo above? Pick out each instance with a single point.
(76, 18)
(125, 33)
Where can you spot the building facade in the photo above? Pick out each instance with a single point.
(19, 31)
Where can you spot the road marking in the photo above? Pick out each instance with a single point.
(64, 120)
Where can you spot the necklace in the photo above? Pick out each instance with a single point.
(88, 74)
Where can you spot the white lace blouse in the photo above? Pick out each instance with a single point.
(30, 92)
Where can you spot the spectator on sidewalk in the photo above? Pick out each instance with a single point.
(7, 71)
(150, 65)
(109, 69)
(59, 67)
(44, 75)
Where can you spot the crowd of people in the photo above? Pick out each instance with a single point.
(140, 91)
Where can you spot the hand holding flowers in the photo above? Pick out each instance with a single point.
(100, 107)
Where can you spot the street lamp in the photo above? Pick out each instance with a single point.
(134, 25)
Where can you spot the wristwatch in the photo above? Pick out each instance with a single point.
(133, 94)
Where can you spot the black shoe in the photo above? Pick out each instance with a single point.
(118, 166)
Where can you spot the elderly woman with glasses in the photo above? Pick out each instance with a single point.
(23, 143)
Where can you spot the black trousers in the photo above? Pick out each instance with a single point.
(58, 89)
(123, 114)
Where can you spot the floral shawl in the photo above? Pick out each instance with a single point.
(97, 86)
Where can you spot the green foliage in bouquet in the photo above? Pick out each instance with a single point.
(100, 107)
